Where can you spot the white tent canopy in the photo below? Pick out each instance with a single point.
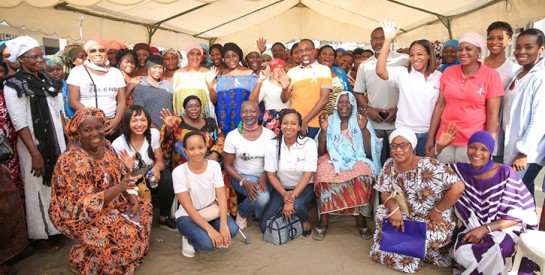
(243, 21)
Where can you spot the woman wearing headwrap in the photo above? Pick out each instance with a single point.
(73, 56)
(53, 68)
(191, 80)
(171, 61)
(142, 51)
(430, 189)
(90, 203)
(349, 159)
(268, 90)
(112, 47)
(233, 87)
(95, 84)
(494, 209)
(470, 96)
(448, 54)
(35, 107)
(154, 93)
(206, 61)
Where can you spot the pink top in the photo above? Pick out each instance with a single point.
(466, 100)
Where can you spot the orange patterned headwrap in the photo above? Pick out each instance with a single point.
(72, 126)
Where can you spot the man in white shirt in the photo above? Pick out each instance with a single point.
(378, 96)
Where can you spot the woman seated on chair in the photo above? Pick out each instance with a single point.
(141, 142)
(429, 188)
(202, 216)
(290, 161)
(244, 155)
(494, 209)
(347, 146)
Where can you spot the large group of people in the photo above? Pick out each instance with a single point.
(102, 133)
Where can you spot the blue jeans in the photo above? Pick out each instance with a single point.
(529, 175)
(277, 204)
(197, 236)
(248, 205)
(421, 142)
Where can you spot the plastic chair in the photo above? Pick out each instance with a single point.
(530, 244)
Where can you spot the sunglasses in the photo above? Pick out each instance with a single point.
(101, 50)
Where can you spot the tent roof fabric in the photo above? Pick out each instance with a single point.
(243, 21)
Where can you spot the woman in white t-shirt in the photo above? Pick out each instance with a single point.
(95, 84)
(141, 142)
(418, 86)
(290, 161)
(244, 156)
(202, 216)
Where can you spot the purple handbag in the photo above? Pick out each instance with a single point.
(412, 242)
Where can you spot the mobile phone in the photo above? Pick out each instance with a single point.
(384, 115)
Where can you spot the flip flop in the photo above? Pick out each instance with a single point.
(366, 233)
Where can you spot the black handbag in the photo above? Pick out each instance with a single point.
(6, 154)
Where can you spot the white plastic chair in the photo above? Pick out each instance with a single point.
(530, 244)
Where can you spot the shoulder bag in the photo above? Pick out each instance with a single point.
(208, 213)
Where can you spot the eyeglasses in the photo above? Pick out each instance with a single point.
(403, 145)
(34, 57)
(101, 50)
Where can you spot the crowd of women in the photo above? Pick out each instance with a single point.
(102, 132)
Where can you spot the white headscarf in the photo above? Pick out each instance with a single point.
(406, 133)
(19, 46)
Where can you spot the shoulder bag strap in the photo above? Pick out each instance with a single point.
(94, 85)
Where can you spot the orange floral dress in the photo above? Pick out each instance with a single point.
(106, 243)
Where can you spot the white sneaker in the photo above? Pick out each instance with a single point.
(241, 222)
(187, 249)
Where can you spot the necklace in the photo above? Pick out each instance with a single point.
(470, 74)
(89, 150)
(250, 128)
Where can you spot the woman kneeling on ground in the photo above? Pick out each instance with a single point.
(430, 189)
(347, 146)
(202, 216)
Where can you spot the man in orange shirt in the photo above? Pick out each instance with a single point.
(309, 88)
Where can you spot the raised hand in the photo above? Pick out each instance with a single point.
(210, 76)
(261, 44)
(285, 81)
(447, 137)
(362, 120)
(263, 74)
(127, 160)
(168, 118)
(390, 29)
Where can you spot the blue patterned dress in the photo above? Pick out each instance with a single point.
(232, 91)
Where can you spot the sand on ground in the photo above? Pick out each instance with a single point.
(342, 252)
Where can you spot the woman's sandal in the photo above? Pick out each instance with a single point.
(319, 233)
(365, 233)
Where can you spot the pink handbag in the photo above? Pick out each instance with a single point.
(210, 212)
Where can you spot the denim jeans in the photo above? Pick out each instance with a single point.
(248, 205)
(277, 204)
(529, 175)
(312, 132)
(197, 236)
(421, 142)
